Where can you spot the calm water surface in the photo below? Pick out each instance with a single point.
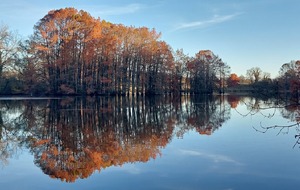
(224, 143)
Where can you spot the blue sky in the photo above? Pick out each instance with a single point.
(244, 33)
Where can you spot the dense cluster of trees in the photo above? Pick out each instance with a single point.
(289, 78)
(71, 52)
(287, 83)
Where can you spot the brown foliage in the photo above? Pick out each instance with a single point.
(233, 100)
(88, 137)
(84, 55)
(233, 80)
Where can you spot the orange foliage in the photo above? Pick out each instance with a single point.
(86, 55)
(41, 142)
(233, 80)
(80, 137)
(71, 154)
(233, 100)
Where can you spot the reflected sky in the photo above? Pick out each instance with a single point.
(233, 156)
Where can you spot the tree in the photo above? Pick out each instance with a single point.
(180, 71)
(233, 80)
(207, 72)
(260, 82)
(266, 76)
(289, 77)
(65, 43)
(30, 71)
(9, 42)
(221, 70)
(201, 72)
(254, 74)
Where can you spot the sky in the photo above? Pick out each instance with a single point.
(244, 33)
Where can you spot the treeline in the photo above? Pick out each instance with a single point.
(70, 52)
(289, 78)
(287, 83)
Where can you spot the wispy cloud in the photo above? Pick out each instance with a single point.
(216, 19)
(128, 168)
(217, 158)
(128, 9)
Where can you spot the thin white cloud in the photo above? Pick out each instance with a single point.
(128, 9)
(217, 158)
(128, 168)
(216, 19)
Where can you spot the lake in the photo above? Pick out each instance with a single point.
(218, 142)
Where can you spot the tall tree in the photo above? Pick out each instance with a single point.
(222, 71)
(207, 72)
(64, 39)
(180, 70)
(9, 43)
(287, 74)
(254, 74)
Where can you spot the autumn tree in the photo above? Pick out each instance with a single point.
(201, 72)
(288, 75)
(83, 55)
(29, 71)
(289, 78)
(233, 80)
(159, 68)
(64, 40)
(207, 72)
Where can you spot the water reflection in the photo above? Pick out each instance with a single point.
(268, 107)
(80, 136)
(71, 138)
(13, 132)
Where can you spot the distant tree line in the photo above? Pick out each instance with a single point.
(289, 79)
(285, 85)
(70, 52)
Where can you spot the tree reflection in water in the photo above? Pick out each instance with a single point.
(13, 128)
(291, 112)
(289, 109)
(73, 137)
